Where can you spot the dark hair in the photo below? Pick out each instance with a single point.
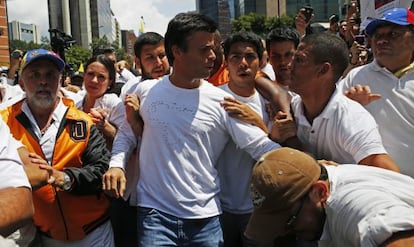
(247, 37)
(149, 38)
(108, 63)
(284, 33)
(182, 26)
(330, 48)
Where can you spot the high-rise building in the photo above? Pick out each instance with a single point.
(73, 18)
(84, 20)
(102, 20)
(128, 41)
(25, 32)
(218, 10)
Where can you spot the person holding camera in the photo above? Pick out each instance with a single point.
(12, 75)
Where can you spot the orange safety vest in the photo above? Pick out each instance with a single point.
(62, 215)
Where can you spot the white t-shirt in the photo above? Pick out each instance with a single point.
(394, 112)
(344, 132)
(235, 165)
(9, 94)
(185, 132)
(366, 206)
(12, 173)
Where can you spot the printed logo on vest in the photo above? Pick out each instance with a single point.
(78, 130)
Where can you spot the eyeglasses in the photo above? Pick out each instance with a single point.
(291, 222)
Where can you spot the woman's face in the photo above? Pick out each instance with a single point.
(96, 79)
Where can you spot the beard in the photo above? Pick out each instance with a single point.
(44, 101)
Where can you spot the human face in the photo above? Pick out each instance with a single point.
(307, 219)
(41, 82)
(393, 46)
(153, 61)
(96, 79)
(198, 60)
(242, 63)
(280, 55)
(304, 70)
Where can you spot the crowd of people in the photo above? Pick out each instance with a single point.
(296, 139)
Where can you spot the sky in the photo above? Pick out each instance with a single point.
(156, 13)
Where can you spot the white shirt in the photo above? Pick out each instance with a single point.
(48, 139)
(366, 206)
(129, 87)
(12, 173)
(185, 132)
(235, 165)
(344, 132)
(393, 113)
(9, 94)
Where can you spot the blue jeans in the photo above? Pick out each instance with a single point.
(156, 228)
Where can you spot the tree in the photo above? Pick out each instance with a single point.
(22, 45)
(259, 24)
(77, 55)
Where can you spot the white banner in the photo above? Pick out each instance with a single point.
(376, 8)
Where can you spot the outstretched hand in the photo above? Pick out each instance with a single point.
(361, 94)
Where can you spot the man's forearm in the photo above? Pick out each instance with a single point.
(16, 209)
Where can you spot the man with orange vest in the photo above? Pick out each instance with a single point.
(72, 209)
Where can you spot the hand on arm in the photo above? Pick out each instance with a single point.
(114, 182)
(284, 131)
(361, 94)
(132, 114)
(243, 112)
(37, 169)
(275, 94)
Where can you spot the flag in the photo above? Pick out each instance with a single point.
(80, 70)
(141, 26)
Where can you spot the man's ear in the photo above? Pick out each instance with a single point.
(325, 68)
(319, 191)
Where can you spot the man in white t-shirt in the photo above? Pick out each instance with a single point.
(243, 57)
(329, 125)
(385, 87)
(185, 130)
(344, 205)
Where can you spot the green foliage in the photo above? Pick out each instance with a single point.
(103, 42)
(259, 24)
(77, 55)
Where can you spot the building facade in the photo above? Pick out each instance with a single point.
(25, 32)
(84, 20)
(218, 10)
(4, 37)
